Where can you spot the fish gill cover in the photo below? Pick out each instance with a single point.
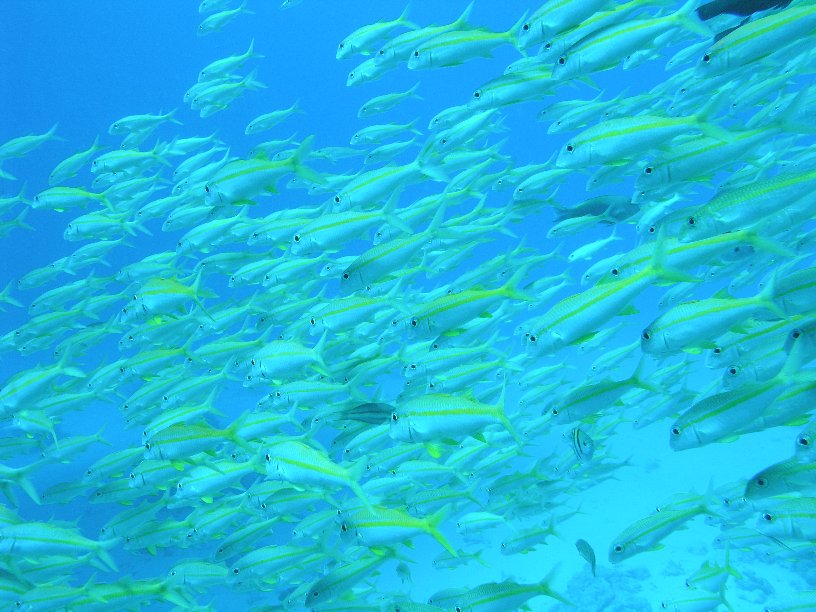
(447, 306)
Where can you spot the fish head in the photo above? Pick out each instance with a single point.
(419, 59)
(654, 342)
(317, 327)
(400, 427)
(682, 437)
(342, 201)
(530, 33)
(619, 551)
(567, 66)
(213, 195)
(574, 155)
(302, 243)
(760, 486)
(694, 228)
(345, 49)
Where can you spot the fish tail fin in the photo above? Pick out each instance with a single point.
(547, 590)
(104, 555)
(764, 244)
(251, 51)
(354, 485)
(412, 92)
(52, 133)
(391, 217)
(171, 118)
(512, 34)
(502, 416)
(5, 297)
(657, 265)
(767, 297)
(434, 520)
(302, 170)
(251, 81)
(427, 165)
(20, 478)
(198, 293)
(637, 379)
(683, 16)
(511, 288)
(404, 21)
(19, 220)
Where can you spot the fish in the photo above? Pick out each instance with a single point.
(585, 550)
(743, 8)
(312, 357)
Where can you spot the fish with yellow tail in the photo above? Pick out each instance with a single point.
(298, 463)
(437, 416)
(381, 526)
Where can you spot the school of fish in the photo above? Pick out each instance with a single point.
(393, 416)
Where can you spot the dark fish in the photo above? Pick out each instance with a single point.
(582, 445)
(585, 550)
(742, 8)
(372, 412)
(729, 30)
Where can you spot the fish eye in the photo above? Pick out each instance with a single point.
(717, 350)
(733, 370)
(341, 45)
(235, 570)
(394, 417)
(312, 321)
(337, 199)
(444, 141)
(706, 58)
(803, 441)
(767, 516)
(562, 60)
(268, 458)
(414, 322)
(692, 221)
(795, 334)
(652, 229)
(554, 411)
(526, 27)
(477, 94)
(344, 528)
(646, 335)
(207, 188)
(533, 338)
(761, 482)
(615, 271)
(416, 53)
(132, 476)
(345, 275)
(570, 148)
(618, 548)
(675, 431)
(147, 445)
(548, 46)
(180, 485)
(413, 366)
(648, 170)
(297, 237)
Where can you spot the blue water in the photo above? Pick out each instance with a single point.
(85, 65)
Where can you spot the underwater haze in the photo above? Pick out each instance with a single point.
(407, 307)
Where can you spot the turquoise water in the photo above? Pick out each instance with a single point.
(85, 66)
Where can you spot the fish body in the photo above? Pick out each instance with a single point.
(585, 550)
(647, 533)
